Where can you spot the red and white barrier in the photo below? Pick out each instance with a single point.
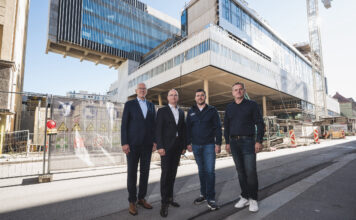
(316, 136)
(293, 142)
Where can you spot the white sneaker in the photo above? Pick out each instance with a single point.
(242, 203)
(253, 205)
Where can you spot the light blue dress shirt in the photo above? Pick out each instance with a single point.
(143, 105)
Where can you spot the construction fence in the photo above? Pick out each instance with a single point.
(88, 135)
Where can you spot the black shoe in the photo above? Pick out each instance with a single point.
(212, 205)
(174, 204)
(199, 200)
(164, 210)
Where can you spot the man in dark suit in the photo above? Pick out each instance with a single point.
(138, 142)
(171, 143)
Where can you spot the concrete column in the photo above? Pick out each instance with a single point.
(160, 100)
(264, 105)
(206, 88)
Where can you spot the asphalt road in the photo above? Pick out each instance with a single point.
(287, 178)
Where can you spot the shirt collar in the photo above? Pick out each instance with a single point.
(243, 101)
(196, 106)
(171, 106)
(140, 100)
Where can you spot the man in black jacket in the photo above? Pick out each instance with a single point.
(171, 143)
(138, 142)
(241, 119)
(204, 139)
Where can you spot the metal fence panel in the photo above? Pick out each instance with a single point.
(22, 135)
(88, 134)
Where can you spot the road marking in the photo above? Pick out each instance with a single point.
(275, 201)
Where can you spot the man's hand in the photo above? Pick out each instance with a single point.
(258, 147)
(189, 148)
(227, 148)
(183, 151)
(126, 149)
(162, 152)
(154, 148)
(217, 149)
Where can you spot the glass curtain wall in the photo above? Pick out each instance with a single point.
(281, 54)
(119, 25)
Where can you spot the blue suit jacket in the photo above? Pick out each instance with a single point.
(136, 130)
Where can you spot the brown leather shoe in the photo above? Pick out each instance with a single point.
(133, 209)
(144, 204)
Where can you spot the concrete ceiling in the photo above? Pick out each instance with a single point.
(220, 83)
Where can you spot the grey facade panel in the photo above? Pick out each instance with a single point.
(69, 21)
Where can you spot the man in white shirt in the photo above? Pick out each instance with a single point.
(171, 143)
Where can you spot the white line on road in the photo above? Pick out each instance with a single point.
(275, 201)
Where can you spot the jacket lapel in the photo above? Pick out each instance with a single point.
(139, 108)
(171, 116)
(181, 116)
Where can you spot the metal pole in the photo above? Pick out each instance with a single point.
(268, 134)
(50, 140)
(2, 134)
(28, 143)
(45, 137)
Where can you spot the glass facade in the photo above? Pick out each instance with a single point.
(237, 21)
(207, 45)
(119, 25)
(184, 26)
(180, 58)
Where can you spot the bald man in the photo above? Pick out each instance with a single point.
(171, 143)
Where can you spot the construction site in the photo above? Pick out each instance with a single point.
(211, 50)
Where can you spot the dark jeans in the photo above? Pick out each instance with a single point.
(205, 157)
(169, 166)
(243, 153)
(135, 156)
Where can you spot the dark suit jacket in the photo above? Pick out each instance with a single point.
(135, 129)
(166, 129)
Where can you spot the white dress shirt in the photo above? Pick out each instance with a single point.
(175, 114)
(143, 106)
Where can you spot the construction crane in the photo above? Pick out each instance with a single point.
(317, 56)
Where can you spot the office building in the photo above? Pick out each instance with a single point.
(106, 31)
(220, 42)
(13, 35)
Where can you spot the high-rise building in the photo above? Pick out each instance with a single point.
(107, 31)
(13, 34)
(225, 41)
(220, 42)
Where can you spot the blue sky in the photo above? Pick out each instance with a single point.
(53, 74)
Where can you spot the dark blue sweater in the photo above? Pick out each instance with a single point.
(240, 119)
(203, 127)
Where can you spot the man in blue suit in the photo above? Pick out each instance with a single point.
(138, 142)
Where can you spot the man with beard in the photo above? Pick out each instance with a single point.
(204, 139)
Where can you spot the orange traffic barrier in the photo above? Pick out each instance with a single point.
(293, 142)
(316, 136)
(343, 134)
